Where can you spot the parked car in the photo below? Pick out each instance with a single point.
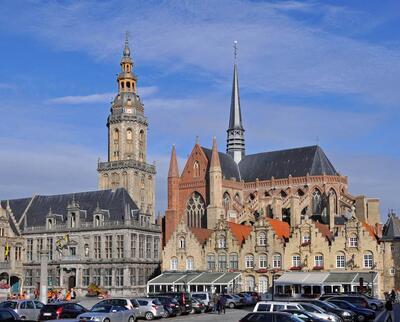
(205, 297)
(273, 306)
(254, 295)
(270, 317)
(354, 299)
(8, 315)
(61, 310)
(107, 313)
(232, 301)
(373, 303)
(26, 309)
(346, 315)
(247, 299)
(130, 304)
(171, 306)
(304, 315)
(197, 306)
(150, 308)
(184, 299)
(362, 314)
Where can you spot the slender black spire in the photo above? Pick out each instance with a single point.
(235, 142)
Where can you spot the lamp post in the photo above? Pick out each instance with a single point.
(273, 285)
(372, 283)
(43, 276)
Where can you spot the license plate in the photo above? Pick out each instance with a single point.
(47, 314)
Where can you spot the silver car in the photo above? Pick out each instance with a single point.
(107, 313)
(26, 309)
(130, 304)
(150, 308)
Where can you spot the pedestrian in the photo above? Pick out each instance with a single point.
(389, 311)
(393, 295)
(215, 302)
(73, 294)
(222, 303)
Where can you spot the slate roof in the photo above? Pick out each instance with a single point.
(228, 166)
(296, 162)
(391, 230)
(118, 203)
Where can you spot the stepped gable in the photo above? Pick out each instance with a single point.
(281, 228)
(118, 203)
(240, 232)
(324, 230)
(229, 167)
(202, 234)
(297, 162)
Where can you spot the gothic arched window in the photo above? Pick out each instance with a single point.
(333, 200)
(196, 211)
(129, 135)
(226, 201)
(316, 202)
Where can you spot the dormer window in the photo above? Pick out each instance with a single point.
(182, 242)
(2, 232)
(50, 223)
(73, 220)
(221, 242)
(97, 220)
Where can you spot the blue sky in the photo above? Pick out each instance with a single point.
(310, 72)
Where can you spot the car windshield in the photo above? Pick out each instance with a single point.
(101, 308)
(329, 304)
(156, 302)
(11, 305)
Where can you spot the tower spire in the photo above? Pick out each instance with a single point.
(235, 145)
(215, 163)
(173, 165)
(127, 51)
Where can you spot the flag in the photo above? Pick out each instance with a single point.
(7, 249)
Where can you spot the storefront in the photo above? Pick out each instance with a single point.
(195, 282)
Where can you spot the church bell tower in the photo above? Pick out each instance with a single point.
(127, 142)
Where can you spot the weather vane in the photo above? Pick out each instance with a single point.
(126, 36)
(235, 49)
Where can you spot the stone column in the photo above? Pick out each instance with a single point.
(43, 276)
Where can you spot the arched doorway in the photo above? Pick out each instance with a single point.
(71, 282)
(15, 284)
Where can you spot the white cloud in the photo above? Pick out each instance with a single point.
(97, 98)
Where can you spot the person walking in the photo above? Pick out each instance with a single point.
(222, 303)
(219, 304)
(389, 311)
(73, 294)
(215, 302)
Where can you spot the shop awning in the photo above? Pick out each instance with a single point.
(303, 278)
(194, 278)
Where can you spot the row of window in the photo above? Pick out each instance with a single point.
(141, 246)
(368, 261)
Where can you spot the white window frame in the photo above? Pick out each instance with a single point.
(296, 261)
(263, 261)
(277, 261)
(340, 261)
(319, 260)
(174, 264)
(353, 241)
(262, 239)
(249, 261)
(368, 260)
(189, 263)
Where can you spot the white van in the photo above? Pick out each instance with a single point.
(205, 298)
(276, 306)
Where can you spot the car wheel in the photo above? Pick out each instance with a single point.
(374, 306)
(360, 318)
(131, 319)
(232, 305)
(179, 312)
(106, 320)
(165, 314)
(149, 316)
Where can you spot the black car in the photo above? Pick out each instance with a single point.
(184, 299)
(361, 313)
(304, 315)
(7, 315)
(61, 310)
(353, 299)
(270, 317)
(171, 306)
(345, 315)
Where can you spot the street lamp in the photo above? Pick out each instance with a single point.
(372, 283)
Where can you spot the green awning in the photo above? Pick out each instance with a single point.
(340, 278)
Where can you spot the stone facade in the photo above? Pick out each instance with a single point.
(268, 213)
(127, 165)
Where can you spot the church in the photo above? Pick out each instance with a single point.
(284, 217)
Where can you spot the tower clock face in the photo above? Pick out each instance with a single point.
(128, 110)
